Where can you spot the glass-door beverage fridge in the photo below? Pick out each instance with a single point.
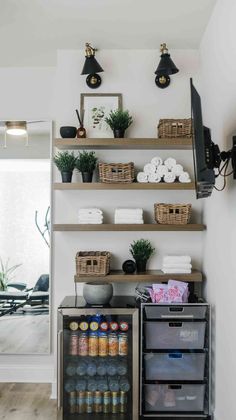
(98, 366)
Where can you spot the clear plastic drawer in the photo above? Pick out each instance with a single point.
(157, 311)
(175, 366)
(175, 335)
(174, 398)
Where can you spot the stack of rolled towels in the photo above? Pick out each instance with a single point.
(129, 216)
(177, 264)
(168, 171)
(91, 216)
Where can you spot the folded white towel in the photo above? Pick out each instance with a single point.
(184, 177)
(157, 160)
(90, 211)
(154, 178)
(175, 271)
(126, 221)
(90, 222)
(175, 259)
(142, 177)
(129, 211)
(170, 163)
(149, 168)
(177, 170)
(180, 266)
(169, 178)
(162, 170)
(128, 217)
(84, 220)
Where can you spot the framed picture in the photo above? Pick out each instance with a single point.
(96, 107)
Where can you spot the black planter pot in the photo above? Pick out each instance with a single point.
(68, 132)
(66, 176)
(141, 266)
(87, 176)
(119, 134)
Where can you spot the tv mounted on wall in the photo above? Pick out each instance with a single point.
(209, 161)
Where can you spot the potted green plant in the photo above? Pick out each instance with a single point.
(6, 273)
(86, 164)
(141, 251)
(119, 121)
(65, 162)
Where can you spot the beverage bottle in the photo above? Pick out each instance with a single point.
(122, 368)
(92, 384)
(102, 384)
(71, 369)
(112, 367)
(101, 368)
(124, 384)
(81, 385)
(114, 384)
(91, 368)
(69, 385)
(81, 369)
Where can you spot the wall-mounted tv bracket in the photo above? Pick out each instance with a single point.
(214, 157)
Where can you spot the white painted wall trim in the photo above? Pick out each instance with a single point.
(27, 373)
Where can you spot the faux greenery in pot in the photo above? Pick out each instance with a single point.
(141, 251)
(86, 164)
(119, 121)
(6, 273)
(65, 162)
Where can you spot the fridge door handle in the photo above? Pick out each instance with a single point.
(59, 368)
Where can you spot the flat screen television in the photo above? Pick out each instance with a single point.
(202, 149)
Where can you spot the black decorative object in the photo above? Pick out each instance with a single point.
(66, 176)
(165, 68)
(129, 267)
(81, 132)
(91, 67)
(87, 176)
(68, 132)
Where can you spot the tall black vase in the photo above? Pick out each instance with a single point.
(119, 134)
(87, 176)
(66, 176)
(141, 266)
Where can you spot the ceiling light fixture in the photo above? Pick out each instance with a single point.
(165, 68)
(91, 67)
(16, 128)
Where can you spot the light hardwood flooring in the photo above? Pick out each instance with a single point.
(26, 402)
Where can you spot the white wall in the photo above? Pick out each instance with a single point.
(218, 69)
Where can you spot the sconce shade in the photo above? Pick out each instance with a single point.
(166, 66)
(91, 66)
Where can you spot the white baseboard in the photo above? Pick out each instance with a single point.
(54, 391)
(27, 373)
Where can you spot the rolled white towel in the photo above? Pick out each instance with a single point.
(175, 271)
(157, 161)
(90, 210)
(154, 178)
(149, 168)
(184, 177)
(169, 178)
(162, 170)
(142, 177)
(179, 266)
(170, 163)
(177, 170)
(177, 259)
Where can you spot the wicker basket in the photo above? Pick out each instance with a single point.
(170, 128)
(172, 214)
(116, 172)
(92, 263)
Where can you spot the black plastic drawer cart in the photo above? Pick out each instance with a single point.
(175, 374)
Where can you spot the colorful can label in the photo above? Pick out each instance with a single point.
(113, 345)
(94, 326)
(114, 326)
(84, 326)
(123, 344)
(73, 325)
(124, 326)
(123, 402)
(104, 326)
(103, 345)
(98, 402)
(115, 400)
(89, 402)
(83, 345)
(81, 400)
(93, 344)
(106, 402)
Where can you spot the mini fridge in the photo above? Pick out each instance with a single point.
(98, 360)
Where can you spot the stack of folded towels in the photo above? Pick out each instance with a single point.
(91, 216)
(177, 264)
(168, 171)
(129, 216)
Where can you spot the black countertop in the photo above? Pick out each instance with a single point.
(116, 302)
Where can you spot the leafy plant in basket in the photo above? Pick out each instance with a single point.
(141, 251)
(86, 164)
(65, 162)
(119, 121)
(6, 273)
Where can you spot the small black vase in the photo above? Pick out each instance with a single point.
(68, 132)
(129, 267)
(119, 134)
(66, 176)
(141, 266)
(87, 176)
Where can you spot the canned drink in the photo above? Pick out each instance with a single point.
(115, 400)
(103, 345)
(94, 326)
(73, 344)
(98, 402)
(89, 402)
(72, 402)
(93, 344)
(123, 402)
(83, 325)
(113, 345)
(114, 326)
(123, 344)
(81, 402)
(74, 326)
(106, 402)
(83, 345)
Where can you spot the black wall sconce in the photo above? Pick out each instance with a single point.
(91, 67)
(165, 68)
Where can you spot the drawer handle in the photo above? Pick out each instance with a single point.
(175, 356)
(175, 324)
(174, 386)
(176, 309)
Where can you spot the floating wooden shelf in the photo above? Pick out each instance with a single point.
(136, 143)
(156, 276)
(128, 227)
(125, 186)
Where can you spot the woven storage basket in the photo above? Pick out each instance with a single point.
(116, 172)
(92, 263)
(169, 128)
(172, 214)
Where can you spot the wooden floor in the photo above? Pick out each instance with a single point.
(26, 402)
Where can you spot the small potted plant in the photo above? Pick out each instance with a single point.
(65, 162)
(6, 273)
(141, 251)
(119, 121)
(86, 164)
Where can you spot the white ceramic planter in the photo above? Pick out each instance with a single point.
(97, 293)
